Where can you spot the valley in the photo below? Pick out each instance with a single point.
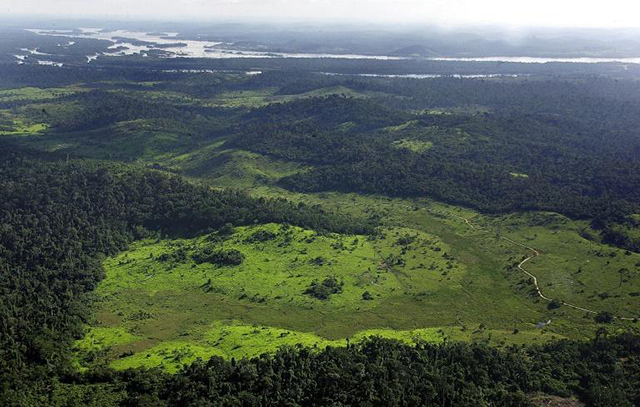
(194, 218)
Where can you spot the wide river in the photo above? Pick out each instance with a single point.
(173, 47)
(169, 45)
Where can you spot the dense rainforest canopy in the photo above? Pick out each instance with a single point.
(565, 143)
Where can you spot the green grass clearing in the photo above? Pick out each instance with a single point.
(417, 146)
(36, 94)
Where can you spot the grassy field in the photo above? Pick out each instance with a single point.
(244, 98)
(268, 96)
(417, 146)
(159, 293)
(570, 268)
(456, 283)
(428, 275)
(475, 293)
(15, 125)
(36, 94)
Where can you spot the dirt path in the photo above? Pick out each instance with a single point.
(535, 254)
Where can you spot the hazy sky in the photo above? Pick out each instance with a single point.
(565, 13)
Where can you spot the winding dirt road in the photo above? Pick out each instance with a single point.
(535, 254)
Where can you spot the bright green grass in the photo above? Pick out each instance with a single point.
(576, 270)
(278, 271)
(179, 311)
(417, 146)
(102, 337)
(231, 339)
(12, 125)
(167, 304)
(19, 127)
(253, 98)
(411, 124)
(499, 291)
(231, 167)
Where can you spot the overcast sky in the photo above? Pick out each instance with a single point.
(560, 13)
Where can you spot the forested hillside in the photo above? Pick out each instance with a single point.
(568, 165)
(150, 216)
(61, 218)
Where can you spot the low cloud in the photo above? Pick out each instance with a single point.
(563, 13)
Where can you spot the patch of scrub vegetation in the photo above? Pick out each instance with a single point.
(218, 257)
(417, 146)
(435, 112)
(248, 98)
(329, 286)
(572, 268)
(232, 339)
(432, 335)
(18, 127)
(266, 96)
(105, 337)
(226, 167)
(180, 295)
(606, 282)
(250, 267)
(411, 124)
(624, 233)
(36, 94)
(419, 137)
(175, 98)
(11, 125)
(335, 90)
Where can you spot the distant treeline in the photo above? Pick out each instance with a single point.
(369, 66)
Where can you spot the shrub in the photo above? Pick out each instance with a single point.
(324, 290)
(604, 317)
(554, 304)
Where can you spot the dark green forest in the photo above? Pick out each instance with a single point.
(576, 165)
(61, 218)
(566, 143)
